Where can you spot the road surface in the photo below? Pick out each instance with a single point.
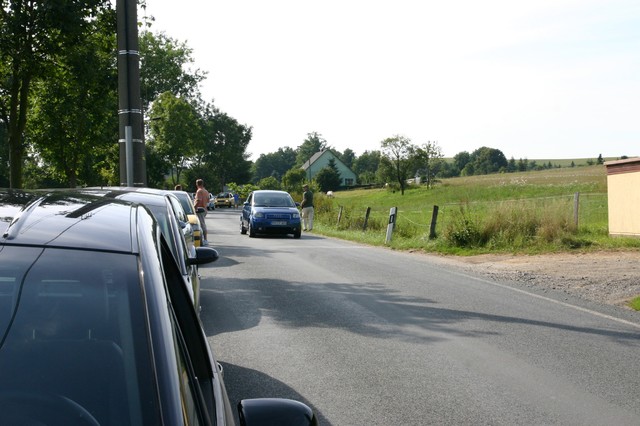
(369, 336)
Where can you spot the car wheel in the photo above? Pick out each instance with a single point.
(297, 234)
(252, 233)
(243, 230)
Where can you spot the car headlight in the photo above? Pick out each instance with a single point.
(296, 215)
(258, 214)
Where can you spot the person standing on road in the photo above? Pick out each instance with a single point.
(236, 200)
(200, 203)
(307, 208)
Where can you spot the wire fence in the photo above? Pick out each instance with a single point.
(584, 210)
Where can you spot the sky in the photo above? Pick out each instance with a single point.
(536, 79)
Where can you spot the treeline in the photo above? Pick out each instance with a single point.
(59, 103)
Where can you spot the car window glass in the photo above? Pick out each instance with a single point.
(78, 332)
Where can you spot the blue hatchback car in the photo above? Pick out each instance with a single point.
(270, 212)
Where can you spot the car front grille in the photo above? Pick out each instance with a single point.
(276, 216)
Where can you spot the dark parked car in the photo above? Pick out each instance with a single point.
(174, 224)
(95, 326)
(270, 212)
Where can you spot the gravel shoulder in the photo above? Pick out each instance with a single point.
(611, 278)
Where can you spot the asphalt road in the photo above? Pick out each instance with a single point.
(368, 336)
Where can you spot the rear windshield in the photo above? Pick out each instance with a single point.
(72, 324)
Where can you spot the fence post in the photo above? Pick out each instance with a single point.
(392, 222)
(366, 219)
(339, 216)
(434, 219)
(576, 205)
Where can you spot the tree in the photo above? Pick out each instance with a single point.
(175, 132)
(488, 160)
(165, 67)
(366, 166)
(328, 179)
(312, 144)
(269, 182)
(33, 34)
(400, 153)
(274, 164)
(600, 159)
(225, 147)
(460, 161)
(348, 157)
(293, 179)
(72, 125)
(427, 158)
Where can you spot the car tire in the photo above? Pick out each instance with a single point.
(243, 230)
(252, 233)
(297, 234)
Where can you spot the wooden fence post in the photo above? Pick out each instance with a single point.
(434, 219)
(339, 216)
(366, 219)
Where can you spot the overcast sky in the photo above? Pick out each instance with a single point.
(539, 79)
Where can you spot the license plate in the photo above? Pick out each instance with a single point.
(279, 222)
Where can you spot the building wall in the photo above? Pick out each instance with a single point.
(623, 187)
(323, 161)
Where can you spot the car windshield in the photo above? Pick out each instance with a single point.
(273, 199)
(76, 332)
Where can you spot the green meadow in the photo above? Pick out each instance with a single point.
(558, 209)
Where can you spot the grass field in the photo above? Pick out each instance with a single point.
(528, 212)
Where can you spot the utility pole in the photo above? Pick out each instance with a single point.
(133, 168)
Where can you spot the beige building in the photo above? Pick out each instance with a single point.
(623, 187)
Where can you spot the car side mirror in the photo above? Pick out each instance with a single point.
(275, 411)
(204, 255)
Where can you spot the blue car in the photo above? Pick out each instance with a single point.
(270, 212)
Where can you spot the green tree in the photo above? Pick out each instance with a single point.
(225, 147)
(488, 160)
(460, 161)
(328, 179)
(366, 166)
(274, 164)
(428, 160)
(33, 35)
(400, 154)
(293, 179)
(348, 157)
(312, 144)
(72, 124)
(269, 182)
(175, 133)
(166, 66)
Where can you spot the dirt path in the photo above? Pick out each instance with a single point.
(605, 277)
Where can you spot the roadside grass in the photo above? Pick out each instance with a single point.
(635, 304)
(528, 212)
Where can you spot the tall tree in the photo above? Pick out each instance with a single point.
(33, 34)
(401, 155)
(175, 132)
(73, 125)
(428, 158)
(348, 157)
(328, 178)
(274, 164)
(366, 166)
(488, 160)
(312, 144)
(166, 66)
(225, 148)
